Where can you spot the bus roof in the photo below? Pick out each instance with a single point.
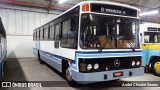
(109, 2)
(98, 2)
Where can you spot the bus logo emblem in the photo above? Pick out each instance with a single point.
(117, 62)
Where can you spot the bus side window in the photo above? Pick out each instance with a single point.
(46, 29)
(57, 35)
(38, 34)
(41, 33)
(35, 35)
(73, 23)
(52, 31)
(65, 28)
(71, 43)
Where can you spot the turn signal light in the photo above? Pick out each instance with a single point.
(140, 62)
(85, 7)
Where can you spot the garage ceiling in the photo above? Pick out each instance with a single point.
(144, 5)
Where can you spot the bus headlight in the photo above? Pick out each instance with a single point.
(133, 63)
(96, 66)
(89, 67)
(138, 63)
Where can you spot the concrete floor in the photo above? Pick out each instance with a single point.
(32, 70)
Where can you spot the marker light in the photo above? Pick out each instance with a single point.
(150, 13)
(85, 7)
(61, 1)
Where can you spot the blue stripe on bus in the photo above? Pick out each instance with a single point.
(50, 56)
(107, 52)
(58, 59)
(44, 52)
(93, 55)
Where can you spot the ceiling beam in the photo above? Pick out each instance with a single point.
(24, 3)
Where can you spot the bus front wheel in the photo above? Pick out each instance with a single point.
(156, 67)
(68, 77)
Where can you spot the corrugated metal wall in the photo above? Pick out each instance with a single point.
(19, 22)
(19, 25)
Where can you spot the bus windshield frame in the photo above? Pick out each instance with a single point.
(108, 32)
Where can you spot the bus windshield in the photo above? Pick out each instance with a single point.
(99, 31)
(151, 37)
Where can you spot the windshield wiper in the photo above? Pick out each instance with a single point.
(102, 47)
(131, 45)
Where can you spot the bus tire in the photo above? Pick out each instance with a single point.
(68, 77)
(41, 61)
(156, 67)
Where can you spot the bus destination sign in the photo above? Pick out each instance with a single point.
(106, 10)
(111, 9)
(152, 29)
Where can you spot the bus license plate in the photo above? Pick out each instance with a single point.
(117, 74)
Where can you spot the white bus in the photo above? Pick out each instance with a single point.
(91, 42)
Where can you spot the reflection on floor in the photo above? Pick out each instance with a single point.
(29, 70)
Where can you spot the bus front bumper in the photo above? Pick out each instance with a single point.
(85, 78)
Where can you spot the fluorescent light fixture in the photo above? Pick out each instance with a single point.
(61, 1)
(150, 13)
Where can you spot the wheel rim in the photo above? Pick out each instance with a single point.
(157, 67)
(68, 74)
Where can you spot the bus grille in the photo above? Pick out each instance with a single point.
(125, 63)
